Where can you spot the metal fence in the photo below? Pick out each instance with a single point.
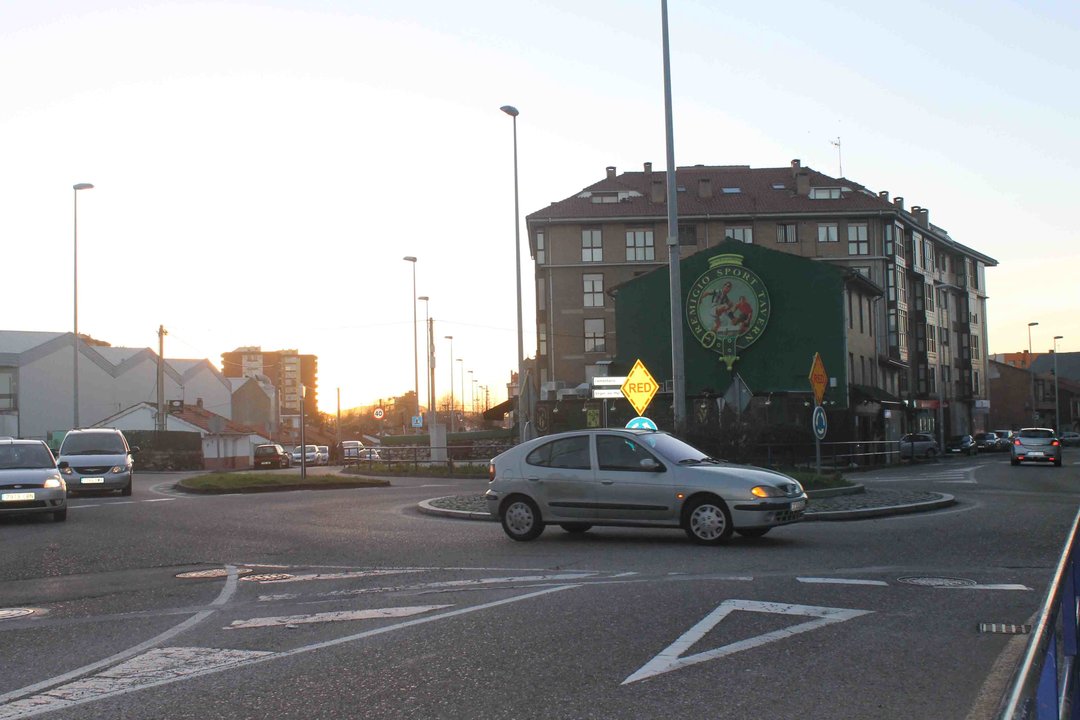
(1045, 684)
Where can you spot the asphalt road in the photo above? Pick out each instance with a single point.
(352, 604)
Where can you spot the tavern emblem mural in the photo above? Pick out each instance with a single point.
(727, 307)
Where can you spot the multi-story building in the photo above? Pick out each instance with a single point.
(914, 318)
(288, 370)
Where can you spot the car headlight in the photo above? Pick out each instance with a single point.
(120, 468)
(67, 470)
(53, 482)
(766, 491)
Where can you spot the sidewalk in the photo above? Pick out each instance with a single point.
(856, 503)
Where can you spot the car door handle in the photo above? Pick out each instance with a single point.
(533, 479)
(607, 482)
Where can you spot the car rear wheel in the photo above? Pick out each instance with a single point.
(708, 522)
(753, 532)
(1057, 462)
(931, 453)
(1014, 461)
(521, 519)
(575, 527)
(60, 515)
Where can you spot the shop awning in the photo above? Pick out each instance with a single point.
(873, 394)
(498, 412)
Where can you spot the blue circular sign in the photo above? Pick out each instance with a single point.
(820, 422)
(641, 423)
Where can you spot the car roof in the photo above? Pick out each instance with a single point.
(19, 441)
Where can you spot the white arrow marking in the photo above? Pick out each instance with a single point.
(672, 659)
(334, 616)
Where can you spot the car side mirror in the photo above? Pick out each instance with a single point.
(135, 450)
(651, 465)
(63, 465)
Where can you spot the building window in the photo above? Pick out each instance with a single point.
(826, 232)
(541, 338)
(901, 286)
(902, 330)
(639, 246)
(742, 234)
(541, 248)
(594, 290)
(975, 383)
(857, 242)
(541, 295)
(933, 381)
(688, 235)
(929, 294)
(592, 246)
(785, 233)
(931, 338)
(594, 335)
(975, 347)
(928, 254)
(943, 333)
(916, 249)
(731, 190)
(9, 396)
(888, 241)
(900, 245)
(825, 193)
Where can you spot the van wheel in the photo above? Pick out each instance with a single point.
(126, 490)
(60, 515)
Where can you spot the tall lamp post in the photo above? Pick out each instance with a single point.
(451, 339)
(415, 347)
(461, 385)
(1031, 373)
(513, 112)
(472, 392)
(1057, 406)
(427, 340)
(75, 361)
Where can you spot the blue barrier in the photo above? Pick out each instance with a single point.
(1045, 685)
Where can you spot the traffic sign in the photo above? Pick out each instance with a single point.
(608, 380)
(604, 393)
(819, 379)
(418, 421)
(379, 413)
(641, 423)
(639, 387)
(820, 422)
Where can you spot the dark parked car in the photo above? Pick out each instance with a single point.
(1070, 438)
(961, 444)
(273, 456)
(987, 442)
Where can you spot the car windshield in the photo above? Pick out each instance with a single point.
(25, 457)
(958, 438)
(1036, 434)
(266, 450)
(93, 444)
(674, 449)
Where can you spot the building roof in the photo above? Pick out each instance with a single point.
(737, 191)
(19, 341)
(1068, 364)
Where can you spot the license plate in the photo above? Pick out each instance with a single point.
(798, 505)
(1036, 453)
(92, 481)
(16, 497)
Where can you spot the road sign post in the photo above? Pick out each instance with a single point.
(819, 380)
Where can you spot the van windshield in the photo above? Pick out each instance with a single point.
(93, 444)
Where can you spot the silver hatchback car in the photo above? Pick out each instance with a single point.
(637, 478)
(1036, 445)
(29, 480)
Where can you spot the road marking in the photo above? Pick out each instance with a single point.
(334, 616)
(169, 499)
(840, 581)
(111, 687)
(222, 598)
(327, 576)
(563, 577)
(1003, 586)
(672, 657)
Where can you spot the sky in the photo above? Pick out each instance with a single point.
(261, 168)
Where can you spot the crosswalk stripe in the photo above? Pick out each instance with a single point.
(377, 613)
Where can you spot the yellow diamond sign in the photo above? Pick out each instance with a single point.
(819, 379)
(639, 387)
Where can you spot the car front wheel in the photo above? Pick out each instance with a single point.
(708, 522)
(521, 519)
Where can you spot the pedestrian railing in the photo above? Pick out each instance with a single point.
(1045, 685)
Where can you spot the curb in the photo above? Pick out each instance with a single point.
(427, 508)
(944, 501)
(865, 513)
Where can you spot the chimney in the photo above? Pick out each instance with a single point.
(898, 202)
(802, 181)
(915, 210)
(610, 172)
(884, 195)
(656, 191)
(198, 403)
(795, 165)
(704, 187)
(923, 216)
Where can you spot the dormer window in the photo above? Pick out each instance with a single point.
(731, 191)
(778, 186)
(825, 193)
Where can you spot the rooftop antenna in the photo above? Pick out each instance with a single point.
(839, 156)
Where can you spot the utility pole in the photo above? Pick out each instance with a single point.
(161, 417)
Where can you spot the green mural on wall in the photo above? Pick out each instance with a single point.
(779, 310)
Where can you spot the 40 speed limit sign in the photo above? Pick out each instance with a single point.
(379, 413)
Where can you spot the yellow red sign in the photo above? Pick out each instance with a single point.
(819, 379)
(639, 387)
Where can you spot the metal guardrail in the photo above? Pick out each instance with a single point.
(1045, 685)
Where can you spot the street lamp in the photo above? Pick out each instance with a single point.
(461, 385)
(1057, 407)
(513, 112)
(415, 347)
(75, 345)
(1034, 419)
(472, 392)
(427, 345)
(451, 339)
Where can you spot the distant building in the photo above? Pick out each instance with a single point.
(903, 329)
(37, 382)
(287, 370)
(1013, 389)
